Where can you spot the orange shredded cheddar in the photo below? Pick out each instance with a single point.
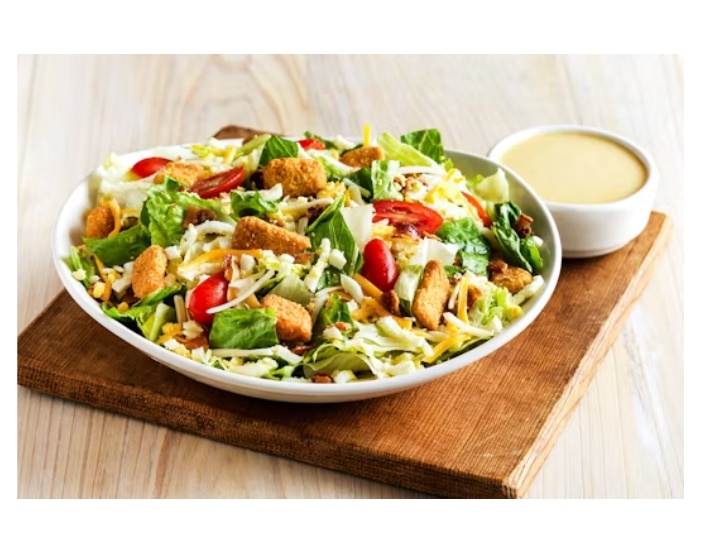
(114, 207)
(252, 301)
(220, 253)
(367, 287)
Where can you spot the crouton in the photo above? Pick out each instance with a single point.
(431, 296)
(293, 321)
(185, 173)
(513, 278)
(148, 273)
(100, 222)
(362, 157)
(298, 176)
(254, 233)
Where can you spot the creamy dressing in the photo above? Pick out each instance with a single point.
(574, 167)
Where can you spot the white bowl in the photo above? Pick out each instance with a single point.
(590, 230)
(70, 226)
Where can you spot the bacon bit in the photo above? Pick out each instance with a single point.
(342, 326)
(304, 258)
(322, 378)
(522, 226)
(406, 229)
(391, 301)
(302, 349)
(474, 294)
(196, 215)
(194, 343)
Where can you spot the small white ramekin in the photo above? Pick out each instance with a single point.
(591, 230)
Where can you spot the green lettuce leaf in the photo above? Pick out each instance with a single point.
(244, 329)
(328, 359)
(277, 147)
(149, 314)
(522, 252)
(406, 285)
(331, 225)
(294, 289)
(427, 141)
(121, 248)
(251, 203)
(402, 152)
(81, 259)
(334, 311)
(494, 189)
(474, 249)
(382, 174)
(164, 212)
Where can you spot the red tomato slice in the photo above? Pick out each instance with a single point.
(379, 265)
(315, 144)
(149, 166)
(419, 217)
(210, 293)
(219, 183)
(482, 214)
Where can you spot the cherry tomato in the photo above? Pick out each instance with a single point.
(210, 293)
(219, 183)
(415, 215)
(482, 214)
(315, 144)
(149, 166)
(379, 265)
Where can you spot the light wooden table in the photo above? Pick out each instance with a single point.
(625, 440)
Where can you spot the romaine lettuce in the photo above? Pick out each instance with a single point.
(244, 329)
(121, 248)
(277, 147)
(427, 141)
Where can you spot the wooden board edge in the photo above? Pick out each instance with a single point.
(132, 402)
(519, 480)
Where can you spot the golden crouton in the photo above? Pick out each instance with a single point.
(254, 233)
(293, 321)
(362, 157)
(148, 274)
(100, 222)
(513, 278)
(432, 295)
(298, 176)
(185, 173)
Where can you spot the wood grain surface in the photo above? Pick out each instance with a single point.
(625, 439)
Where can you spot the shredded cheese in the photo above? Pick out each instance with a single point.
(366, 135)
(252, 301)
(367, 286)
(104, 292)
(371, 308)
(444, 345)
(219, 254)
(229, 155)
(114, 207)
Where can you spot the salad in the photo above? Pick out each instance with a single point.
(319, 260)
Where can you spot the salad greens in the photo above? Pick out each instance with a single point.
(395, 262)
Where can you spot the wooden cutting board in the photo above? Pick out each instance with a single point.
(483, 431)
